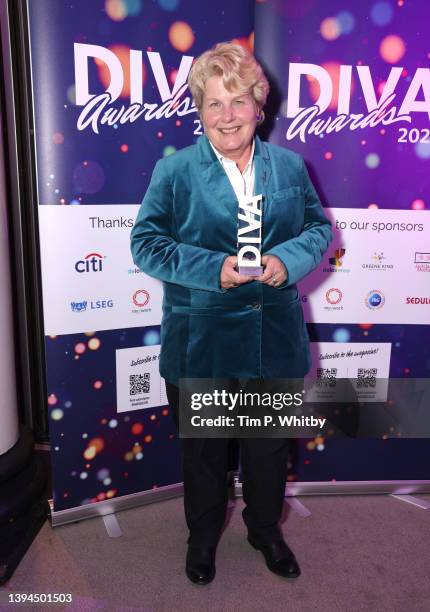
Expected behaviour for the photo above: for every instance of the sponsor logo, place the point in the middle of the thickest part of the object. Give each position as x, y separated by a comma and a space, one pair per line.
333, 297
141, 299
108, 223
93, 305
377, 263
418, 300
337, 259
336, 262
375, 299
78, 306
422, 262
134, 271
93, 262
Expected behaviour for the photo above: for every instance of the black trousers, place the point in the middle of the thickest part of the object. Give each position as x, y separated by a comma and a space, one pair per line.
205, 465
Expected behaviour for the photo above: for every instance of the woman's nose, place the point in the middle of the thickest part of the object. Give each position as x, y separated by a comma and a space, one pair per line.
227, 113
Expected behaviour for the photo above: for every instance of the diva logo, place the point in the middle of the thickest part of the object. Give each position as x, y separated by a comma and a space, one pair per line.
387, 109
99, 110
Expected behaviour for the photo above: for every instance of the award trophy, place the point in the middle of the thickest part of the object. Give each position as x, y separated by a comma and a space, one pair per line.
249, 233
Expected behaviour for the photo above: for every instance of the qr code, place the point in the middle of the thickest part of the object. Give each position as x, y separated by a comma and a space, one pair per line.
366, 377
140, 383
326, 377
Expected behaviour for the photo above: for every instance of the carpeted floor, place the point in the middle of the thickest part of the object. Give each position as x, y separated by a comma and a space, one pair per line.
356, 552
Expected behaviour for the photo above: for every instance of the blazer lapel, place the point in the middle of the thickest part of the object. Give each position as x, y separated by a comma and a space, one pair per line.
263, 171
219, 186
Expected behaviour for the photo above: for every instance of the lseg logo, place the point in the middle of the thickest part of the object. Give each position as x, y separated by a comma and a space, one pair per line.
93, 262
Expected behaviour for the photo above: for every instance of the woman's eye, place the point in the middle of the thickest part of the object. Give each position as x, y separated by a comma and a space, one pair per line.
213, 104
240, 102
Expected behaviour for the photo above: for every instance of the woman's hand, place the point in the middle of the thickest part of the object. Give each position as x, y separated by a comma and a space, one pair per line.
275, 273
230, 278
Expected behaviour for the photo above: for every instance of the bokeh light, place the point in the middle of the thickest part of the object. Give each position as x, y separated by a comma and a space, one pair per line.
372, 161
330, 28
181, 36
133, 7
333, 69
381, 13
71, 94
151, 337
80, 348
422, 150
52, 399
57, 414
137, 429
116, 10
341, 335
94, 344
88, 177
346, 21
168, 150
169, 5
392, 48
122, 52
418, 205
58, 138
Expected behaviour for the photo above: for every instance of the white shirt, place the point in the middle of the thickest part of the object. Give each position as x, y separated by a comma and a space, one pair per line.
242, 182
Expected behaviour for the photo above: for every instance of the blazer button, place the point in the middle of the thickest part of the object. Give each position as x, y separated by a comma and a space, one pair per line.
256, 306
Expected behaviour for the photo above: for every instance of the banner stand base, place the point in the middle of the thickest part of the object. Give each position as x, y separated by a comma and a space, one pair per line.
399, 488
111, 506
415, 501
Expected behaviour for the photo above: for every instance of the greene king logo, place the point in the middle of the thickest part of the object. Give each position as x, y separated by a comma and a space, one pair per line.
375, 299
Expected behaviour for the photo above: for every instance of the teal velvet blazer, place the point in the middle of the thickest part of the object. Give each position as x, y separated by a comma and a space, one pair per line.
187, 226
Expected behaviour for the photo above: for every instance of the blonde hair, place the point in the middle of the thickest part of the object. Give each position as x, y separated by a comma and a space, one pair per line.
238, 68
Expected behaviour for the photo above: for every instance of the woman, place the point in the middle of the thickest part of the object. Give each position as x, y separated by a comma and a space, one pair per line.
216, 322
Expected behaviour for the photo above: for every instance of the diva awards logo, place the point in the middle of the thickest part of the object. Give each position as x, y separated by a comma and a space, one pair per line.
101, 110
354, 89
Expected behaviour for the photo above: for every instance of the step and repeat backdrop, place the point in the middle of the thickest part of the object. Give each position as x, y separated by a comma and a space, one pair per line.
350, 92
110, 98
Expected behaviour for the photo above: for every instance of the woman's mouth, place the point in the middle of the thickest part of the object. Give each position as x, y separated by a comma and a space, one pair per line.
232, 130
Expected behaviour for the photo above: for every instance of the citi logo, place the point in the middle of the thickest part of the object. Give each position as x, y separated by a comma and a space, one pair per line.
93, 262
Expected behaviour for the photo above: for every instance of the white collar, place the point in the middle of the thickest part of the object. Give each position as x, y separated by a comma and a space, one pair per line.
227, 161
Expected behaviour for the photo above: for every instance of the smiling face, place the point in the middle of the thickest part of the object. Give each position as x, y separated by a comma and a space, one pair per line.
229, 120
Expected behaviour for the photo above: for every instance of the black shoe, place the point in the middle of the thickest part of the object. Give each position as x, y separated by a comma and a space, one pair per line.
279, 558
200, 564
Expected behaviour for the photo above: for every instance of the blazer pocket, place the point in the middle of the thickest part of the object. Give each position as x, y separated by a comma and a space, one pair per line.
284, 194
